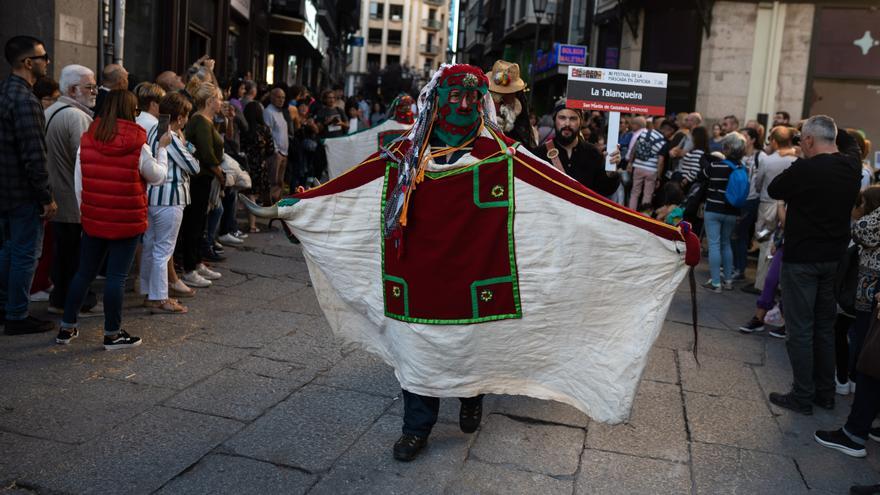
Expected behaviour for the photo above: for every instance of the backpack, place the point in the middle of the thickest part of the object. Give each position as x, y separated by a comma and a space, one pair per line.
645, 146
737, 191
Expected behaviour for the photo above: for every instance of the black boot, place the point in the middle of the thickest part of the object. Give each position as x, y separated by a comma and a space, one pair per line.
408, 447
787, 401
470, 414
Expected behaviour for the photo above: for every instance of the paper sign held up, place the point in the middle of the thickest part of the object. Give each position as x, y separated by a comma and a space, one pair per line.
614, 90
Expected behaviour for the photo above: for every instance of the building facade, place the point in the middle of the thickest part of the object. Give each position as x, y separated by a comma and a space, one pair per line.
277, 41
751, 59
411, 34
510, 30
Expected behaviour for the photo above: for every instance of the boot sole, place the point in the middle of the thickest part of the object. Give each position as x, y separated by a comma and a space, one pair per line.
121, 346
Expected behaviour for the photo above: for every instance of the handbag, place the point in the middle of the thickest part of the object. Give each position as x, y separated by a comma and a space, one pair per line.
869, 358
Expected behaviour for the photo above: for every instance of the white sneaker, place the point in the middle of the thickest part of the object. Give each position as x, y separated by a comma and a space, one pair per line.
230, 240
852, 387
207, 273
240, 234
193, 279
842, 388
40, 296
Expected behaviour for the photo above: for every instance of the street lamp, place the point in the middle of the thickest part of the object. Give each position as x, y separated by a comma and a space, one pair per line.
539, 7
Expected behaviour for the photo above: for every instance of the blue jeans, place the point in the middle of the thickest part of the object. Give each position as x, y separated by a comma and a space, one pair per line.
21, 243
228, 224
120, 254
719, 228
213, 223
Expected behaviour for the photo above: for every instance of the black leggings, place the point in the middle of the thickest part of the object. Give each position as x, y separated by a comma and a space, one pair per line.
193, 225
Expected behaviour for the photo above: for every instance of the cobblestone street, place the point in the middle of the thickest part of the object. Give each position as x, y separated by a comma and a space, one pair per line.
250, 393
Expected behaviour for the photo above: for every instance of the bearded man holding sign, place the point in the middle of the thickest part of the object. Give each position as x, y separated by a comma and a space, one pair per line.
473, 267
578, 159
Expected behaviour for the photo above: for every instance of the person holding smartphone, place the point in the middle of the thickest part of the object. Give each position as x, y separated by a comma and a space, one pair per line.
166, 202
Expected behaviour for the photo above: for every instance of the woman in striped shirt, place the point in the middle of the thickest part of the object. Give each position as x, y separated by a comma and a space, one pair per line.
165, 212
690, 164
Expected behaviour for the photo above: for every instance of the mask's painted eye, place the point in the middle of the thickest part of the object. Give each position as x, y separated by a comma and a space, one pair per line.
454, 96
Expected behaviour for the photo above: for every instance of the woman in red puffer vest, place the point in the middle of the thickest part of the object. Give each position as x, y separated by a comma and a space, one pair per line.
113, 167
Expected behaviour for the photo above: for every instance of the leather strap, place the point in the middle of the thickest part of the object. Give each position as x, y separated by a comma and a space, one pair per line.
56, 112
553, 155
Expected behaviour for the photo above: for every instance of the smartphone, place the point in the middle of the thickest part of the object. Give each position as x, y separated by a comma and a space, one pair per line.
162, 126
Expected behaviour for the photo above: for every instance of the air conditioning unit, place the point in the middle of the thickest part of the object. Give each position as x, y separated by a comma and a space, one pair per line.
395, 18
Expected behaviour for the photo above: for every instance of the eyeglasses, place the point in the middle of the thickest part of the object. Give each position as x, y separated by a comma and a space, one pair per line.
44, 57
91, 88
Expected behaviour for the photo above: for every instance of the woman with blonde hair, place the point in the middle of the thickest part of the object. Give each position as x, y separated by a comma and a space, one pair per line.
113, 167
208, 150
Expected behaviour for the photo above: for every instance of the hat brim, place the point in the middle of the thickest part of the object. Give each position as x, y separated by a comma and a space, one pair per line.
513, 87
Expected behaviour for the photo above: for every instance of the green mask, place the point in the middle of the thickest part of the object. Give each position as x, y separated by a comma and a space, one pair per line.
459, 107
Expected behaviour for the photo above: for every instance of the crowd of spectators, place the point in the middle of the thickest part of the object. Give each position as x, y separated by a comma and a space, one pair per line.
97, 177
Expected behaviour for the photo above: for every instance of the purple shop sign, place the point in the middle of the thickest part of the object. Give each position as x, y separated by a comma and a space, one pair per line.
571, 54
560, 55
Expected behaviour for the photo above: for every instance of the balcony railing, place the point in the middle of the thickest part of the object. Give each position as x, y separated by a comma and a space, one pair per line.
432, 24
429, 49
435, 2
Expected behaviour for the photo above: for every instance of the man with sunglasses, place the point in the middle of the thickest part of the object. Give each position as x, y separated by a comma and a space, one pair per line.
25, 193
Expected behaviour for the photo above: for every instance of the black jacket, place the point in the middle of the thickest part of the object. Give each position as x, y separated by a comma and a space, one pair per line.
585, 165
101, 97
714, 175
23, 175
820, 192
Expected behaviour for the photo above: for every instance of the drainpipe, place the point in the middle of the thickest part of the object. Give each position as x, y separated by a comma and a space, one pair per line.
777, 25
118, 30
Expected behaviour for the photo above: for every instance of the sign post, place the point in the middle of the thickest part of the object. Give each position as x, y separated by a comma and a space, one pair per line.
616, 91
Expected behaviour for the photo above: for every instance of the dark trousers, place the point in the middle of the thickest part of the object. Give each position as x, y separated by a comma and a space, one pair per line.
744, 227
68, 237
420, 412
865, 407
119, 255
841, 346
810, 311
856, 338
193, 225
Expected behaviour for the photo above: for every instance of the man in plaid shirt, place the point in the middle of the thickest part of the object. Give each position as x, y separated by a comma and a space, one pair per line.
25, 195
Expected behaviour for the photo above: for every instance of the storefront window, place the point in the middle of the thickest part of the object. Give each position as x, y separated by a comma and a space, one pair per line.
142, 40
291, 70
233, 51
270, 69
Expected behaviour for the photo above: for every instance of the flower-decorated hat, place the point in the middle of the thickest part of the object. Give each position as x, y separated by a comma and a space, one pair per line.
504, 78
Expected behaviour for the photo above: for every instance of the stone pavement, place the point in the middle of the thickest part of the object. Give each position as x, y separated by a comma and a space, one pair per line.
250, 393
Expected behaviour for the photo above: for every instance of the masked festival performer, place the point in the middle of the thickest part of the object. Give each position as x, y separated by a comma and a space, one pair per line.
344, 150
472, 267
508, 92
